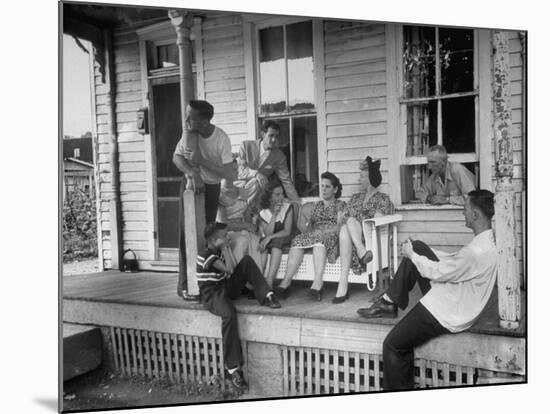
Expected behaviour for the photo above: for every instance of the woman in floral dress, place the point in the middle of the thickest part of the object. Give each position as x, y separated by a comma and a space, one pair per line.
321, 235
366, 204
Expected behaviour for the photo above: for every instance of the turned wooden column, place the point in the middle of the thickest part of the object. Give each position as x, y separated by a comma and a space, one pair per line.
183, 22
508, 273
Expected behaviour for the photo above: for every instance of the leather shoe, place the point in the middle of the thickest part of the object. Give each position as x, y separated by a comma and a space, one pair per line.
316, 294
340, 299
367, 257
272, 302
283, 293
379, 309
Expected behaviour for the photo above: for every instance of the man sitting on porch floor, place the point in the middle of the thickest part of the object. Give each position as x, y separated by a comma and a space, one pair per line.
222, 279
456, 288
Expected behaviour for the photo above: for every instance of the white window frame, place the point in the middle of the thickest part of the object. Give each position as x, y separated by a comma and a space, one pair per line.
252, 24
397, 110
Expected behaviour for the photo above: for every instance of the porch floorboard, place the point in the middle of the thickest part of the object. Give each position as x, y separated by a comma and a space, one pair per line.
159, 289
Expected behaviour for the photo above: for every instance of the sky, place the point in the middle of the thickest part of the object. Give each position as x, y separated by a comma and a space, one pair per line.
77, 116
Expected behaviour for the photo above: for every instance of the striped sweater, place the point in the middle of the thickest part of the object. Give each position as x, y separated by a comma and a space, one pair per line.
206, 272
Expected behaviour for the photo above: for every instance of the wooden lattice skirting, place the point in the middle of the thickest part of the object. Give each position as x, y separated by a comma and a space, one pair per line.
311, 371
306, 371
175, 357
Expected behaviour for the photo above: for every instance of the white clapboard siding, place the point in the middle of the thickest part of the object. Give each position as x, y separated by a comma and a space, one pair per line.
355, 93
224, 75
131, 149
442, 229
516, 78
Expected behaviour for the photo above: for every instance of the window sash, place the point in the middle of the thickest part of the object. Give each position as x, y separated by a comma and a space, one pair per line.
288, 111
439, 97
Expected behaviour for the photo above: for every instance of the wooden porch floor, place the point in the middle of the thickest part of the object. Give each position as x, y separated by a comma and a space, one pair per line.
159, 289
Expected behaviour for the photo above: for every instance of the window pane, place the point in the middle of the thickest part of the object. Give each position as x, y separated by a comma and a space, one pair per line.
168, 55
419, 61
300, 65
168, 188
167, 216
167, 118
459, 125
421, 127
272, 70
456, 48
306, 170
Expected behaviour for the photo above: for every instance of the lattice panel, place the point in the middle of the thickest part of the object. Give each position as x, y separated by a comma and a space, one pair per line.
170, 356
313, 371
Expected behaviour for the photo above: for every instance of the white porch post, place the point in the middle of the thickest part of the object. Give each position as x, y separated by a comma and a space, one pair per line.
183, 22
508, 276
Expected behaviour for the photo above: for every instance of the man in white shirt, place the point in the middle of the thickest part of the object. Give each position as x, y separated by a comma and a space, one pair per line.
213, 157
214, 160
456, 288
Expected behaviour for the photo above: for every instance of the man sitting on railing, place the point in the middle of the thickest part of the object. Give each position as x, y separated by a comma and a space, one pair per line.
456, 288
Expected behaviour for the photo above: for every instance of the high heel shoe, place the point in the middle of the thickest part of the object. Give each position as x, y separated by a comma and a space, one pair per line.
340, 299
282, 293
316, 294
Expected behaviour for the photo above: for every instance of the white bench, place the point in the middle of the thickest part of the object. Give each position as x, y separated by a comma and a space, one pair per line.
380, 235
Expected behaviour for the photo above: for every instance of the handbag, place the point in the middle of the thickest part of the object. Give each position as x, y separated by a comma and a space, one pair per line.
129, 264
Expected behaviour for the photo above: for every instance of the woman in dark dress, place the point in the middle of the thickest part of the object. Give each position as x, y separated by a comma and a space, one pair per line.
275, 226
321, 236
366, 204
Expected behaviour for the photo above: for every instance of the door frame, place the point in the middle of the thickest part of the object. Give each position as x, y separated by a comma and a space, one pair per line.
150, 36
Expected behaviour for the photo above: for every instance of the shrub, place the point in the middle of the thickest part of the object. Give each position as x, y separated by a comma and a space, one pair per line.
79, 225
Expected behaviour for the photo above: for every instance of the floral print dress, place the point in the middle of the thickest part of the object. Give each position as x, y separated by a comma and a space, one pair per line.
322, 233
361, 209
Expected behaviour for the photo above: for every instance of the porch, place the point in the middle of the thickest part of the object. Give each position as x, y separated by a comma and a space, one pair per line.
303, 348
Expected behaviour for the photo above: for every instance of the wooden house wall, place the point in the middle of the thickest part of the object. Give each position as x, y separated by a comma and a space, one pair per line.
131, 150
356, 87
355, 94
224, 74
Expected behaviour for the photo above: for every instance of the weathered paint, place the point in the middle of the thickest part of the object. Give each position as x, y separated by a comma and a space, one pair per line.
508, 275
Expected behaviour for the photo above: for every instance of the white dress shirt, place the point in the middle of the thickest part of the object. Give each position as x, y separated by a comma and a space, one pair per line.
461, 282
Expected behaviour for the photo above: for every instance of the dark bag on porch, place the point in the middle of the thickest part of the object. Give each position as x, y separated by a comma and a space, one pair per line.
129, 264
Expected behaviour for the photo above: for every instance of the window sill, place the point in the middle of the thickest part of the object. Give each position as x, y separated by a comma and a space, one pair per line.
421, 206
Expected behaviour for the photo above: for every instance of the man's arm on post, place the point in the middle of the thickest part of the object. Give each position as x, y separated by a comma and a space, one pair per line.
179, 159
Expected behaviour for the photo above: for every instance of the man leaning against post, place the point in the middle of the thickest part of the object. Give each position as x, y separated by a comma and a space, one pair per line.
258, 161
456, 288
213, 155
449, 182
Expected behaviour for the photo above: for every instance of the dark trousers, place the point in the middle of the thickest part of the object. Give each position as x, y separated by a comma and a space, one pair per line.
415, 329
217, 298
211, 198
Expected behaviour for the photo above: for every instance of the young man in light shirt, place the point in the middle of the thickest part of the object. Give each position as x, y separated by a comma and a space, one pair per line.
213, 155
456, 288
